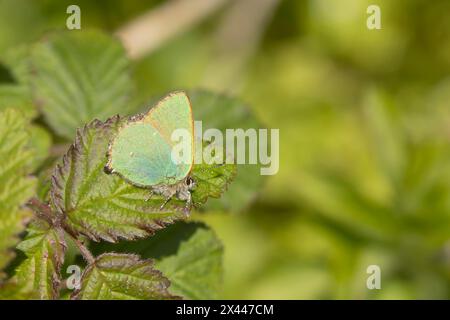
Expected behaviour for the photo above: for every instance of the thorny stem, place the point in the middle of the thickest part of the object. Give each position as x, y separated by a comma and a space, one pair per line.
87, 255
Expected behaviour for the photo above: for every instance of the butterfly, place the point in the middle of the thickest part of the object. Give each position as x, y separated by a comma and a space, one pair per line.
141, 152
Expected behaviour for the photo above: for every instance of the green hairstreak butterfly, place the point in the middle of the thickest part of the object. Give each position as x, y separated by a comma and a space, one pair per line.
141, 152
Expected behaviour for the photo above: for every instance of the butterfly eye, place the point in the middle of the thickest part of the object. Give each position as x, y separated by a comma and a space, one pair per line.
190, 182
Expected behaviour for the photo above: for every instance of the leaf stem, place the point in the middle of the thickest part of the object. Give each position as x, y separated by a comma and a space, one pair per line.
87, 255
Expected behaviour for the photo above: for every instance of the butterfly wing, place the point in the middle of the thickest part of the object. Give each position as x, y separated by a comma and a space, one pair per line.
142, 150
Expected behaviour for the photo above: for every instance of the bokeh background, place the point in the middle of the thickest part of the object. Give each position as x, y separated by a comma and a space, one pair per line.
364, 119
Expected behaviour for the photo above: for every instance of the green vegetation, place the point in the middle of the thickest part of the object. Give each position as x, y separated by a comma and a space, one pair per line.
364, 179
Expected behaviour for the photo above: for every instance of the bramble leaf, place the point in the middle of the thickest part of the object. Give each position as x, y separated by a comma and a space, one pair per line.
211, 181
15, 186
195, 271
40, 144
17, 97
38, 276
105, 206
115, 276
188, 254
77, 77
17, 60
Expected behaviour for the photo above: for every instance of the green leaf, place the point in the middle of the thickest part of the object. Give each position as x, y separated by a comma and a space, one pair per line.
195, 271
211, 181
15, 186
38, 276
17, 60
104, 206
40, 143
77, 77
17, 97
12, 222
233, 113
116, 276
188, 254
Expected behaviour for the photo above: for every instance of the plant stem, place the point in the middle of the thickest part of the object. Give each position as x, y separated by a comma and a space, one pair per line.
87, 255
149, 31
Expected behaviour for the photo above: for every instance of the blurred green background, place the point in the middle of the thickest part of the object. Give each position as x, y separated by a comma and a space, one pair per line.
364, 119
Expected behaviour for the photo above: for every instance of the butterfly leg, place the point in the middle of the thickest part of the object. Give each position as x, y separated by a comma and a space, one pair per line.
150, 195
167, 192
169, 197
188, 206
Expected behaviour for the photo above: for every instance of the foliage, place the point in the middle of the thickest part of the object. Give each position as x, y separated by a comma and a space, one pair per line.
78, 77
188, 253
62, 76
122, 276
15, 184
363, 118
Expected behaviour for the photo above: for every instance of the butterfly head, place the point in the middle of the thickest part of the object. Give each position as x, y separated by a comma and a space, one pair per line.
190, 183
